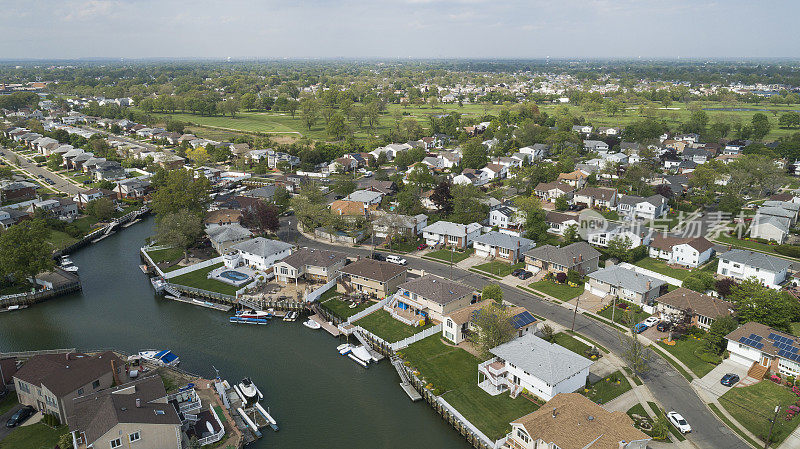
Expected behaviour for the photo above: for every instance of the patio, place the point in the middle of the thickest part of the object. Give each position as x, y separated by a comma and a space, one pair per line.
274, 291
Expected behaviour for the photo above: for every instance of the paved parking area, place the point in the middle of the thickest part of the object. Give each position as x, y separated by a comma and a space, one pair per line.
709, 384
4, 431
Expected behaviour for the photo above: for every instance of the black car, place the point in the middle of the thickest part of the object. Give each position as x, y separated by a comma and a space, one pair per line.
664, 326
524, 275
379, 256
517, 271
22, 414
729, 380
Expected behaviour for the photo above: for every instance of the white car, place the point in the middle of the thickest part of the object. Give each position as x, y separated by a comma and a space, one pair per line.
677, 420
396, 259
650, 322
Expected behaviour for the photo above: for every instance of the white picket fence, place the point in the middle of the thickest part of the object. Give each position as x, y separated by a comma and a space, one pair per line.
313, 296
404, 343
377, 306
464, 421
190, 268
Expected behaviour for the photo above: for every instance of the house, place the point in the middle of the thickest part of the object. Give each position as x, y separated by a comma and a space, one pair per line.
595, 146
576, 179
550, 191
260, 253
624, 284
384, 187
397, 224
224, 236
558, 222
742, 264
779, 212
503, 217
471, 176
701, 309
687, 251
637, 207
108, 171
311, 264
55, 207
505, 247
578, 256
609, 131
365, 197
83, 198
351, 208
459, 324
536, 152
573, 421
596, 197
696, 155
136, 414
371, 278
582, 129
16, 191
10, 216
531, 363
769, 227
764, 349
133, 188
446, 233
50, 382
221, 217
432, 297
602, 236
615, 159
495, 171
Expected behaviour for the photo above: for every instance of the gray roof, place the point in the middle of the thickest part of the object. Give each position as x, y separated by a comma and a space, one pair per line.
782, 223
228, 233
788, 205
501, 240
655, 200
567, 256
627, 279
363, 196
314, 257
63, 374
400, 220
756, 259
448, 228
263, 247
549, 362
776, 211
262, 192
437, 289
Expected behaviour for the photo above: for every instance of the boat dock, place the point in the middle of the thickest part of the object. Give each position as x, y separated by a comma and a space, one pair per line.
405, 382
377, 356
333, 330
201, 303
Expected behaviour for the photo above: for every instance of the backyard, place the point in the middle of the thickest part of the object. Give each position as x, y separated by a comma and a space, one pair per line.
498, 268
453, 373
659, 266
165, 255
198, 279
340, 307
747, 244
445, 255
382, 324
753, 407
559, 291
689, 350
34, 436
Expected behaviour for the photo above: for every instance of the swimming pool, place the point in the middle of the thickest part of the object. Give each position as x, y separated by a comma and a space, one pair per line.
234, 276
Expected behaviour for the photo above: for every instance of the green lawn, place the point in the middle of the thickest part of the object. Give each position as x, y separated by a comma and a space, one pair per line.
35, 436
607, 388
165, 255
753, 407
342, 308
710, 266
610, 215
8, 402
560, 291
453, 373
59, 239
620, 314
643, 418
445, 255
383, 325
687, 350
724, 418
197, 279
747, 244
498, 268
659, 266
571, 343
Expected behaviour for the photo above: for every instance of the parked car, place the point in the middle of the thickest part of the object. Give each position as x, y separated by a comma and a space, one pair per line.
517, 272
639, 328
524, 275
396, 259
20, 416
677, 420
422, 246
729, 380
664, 326
651, 321
379, 256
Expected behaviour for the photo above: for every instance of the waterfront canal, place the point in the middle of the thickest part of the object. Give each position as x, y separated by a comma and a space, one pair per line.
319, 398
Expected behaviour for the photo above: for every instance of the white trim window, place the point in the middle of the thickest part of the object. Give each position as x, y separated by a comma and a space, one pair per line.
116, 443
134, 437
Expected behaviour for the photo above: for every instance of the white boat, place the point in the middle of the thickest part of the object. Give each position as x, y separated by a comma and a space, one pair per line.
257, 314
311, 324
162, 358
66, 264
250, 391
344, 349
362, 353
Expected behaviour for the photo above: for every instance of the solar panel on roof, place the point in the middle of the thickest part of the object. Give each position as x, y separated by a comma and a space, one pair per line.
742, 339
772, 336
794, 349
758, 345
755, 337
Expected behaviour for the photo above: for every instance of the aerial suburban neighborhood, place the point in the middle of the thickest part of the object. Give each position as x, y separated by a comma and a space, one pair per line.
477, 251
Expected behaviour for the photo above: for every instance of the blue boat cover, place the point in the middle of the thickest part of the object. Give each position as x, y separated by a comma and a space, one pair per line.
168, 357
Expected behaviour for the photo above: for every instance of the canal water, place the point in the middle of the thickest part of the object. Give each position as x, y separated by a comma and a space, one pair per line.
319, 398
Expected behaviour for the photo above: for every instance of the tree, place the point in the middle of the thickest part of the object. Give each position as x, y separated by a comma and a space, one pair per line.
281, 198
421, 178
474, 154
310, 207
442, 198
635, 354
179, 230
248, 101
467, 205
24, 250
571, 234
699, 281
65, 441
308, 111
337, 127
177, 190
755, 302
262, 216
55, 162
789, 120
230, 107
102, 209
344, 187
535, 223
198, 155
493, 327
562, 203
619, 247
548, 334
725, 286
760, 125
715, 342
492, 292
730, 204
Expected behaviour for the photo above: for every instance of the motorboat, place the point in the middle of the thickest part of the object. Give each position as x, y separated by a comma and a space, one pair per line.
290, 316
162, 358
249, 391
240, 320
257, 314
358, 354
66, 264
311, 324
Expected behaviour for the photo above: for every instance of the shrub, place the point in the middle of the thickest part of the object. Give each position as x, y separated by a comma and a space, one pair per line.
561, 278
788, 250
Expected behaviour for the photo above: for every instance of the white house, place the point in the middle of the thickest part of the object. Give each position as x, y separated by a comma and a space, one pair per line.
495, 171
458, 324
502, 246
310, 263
503, 217
686, 251
531, 363
367, 197
451, 234
650, 208
639, 235
550, 191
558, 223
742, 264
597, 146
261, 254
769, 227
470, 176
398, 224
624, 284
764, 349
536, 152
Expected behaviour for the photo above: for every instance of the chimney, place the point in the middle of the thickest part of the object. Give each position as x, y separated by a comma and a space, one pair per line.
554, 412
580, 257
648, 285
138, 403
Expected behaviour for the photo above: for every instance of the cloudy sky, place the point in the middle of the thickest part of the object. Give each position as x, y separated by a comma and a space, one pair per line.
43, 29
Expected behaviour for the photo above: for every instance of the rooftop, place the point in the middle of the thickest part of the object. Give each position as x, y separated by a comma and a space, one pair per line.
549, 362
437, 289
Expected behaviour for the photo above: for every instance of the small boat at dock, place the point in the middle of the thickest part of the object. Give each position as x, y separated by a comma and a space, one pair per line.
290, 316
358, 354
257, 314
311, 324
66, 264
162, 358
240, 320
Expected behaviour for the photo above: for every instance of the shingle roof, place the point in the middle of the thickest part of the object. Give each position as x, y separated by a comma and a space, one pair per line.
228, 233
501, 240
558, 217
567, 256
373, 269
682, 298
363, 196
547, 186
627, 279
437, 289
756, 259
666, 243
314, 257
598, 193
764, 331
448, 228
549, 362
263, 247
64, 373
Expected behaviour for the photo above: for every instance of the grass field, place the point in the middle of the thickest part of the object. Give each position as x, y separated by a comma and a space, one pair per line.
571, 343
454, 373
197, 279
165, 255
444, 255
35, 436
753, 407
686, 350
498, 268
608, 388
342, 308
560, 291
746, 244
659, 266
383, 325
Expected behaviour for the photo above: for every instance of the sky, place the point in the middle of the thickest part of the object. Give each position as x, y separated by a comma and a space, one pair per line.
69, 29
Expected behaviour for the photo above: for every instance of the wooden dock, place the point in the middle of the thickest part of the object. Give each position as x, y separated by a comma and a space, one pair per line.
201, 303
405, 382
333, 330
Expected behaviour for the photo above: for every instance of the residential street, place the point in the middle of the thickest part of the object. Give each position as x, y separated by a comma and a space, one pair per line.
61, 184
668, 386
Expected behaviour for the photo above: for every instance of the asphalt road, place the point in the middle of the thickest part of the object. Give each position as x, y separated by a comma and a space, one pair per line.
668, 386
61, 184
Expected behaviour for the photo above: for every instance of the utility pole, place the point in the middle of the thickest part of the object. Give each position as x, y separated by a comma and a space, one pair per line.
575, 314
772, 424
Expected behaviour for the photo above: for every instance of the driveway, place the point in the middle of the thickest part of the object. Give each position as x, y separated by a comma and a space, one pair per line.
4, 431
709, 385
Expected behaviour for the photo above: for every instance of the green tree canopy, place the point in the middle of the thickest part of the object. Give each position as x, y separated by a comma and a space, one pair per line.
24, 250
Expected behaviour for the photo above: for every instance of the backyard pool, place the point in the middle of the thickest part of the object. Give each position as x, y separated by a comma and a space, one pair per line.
235, 276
